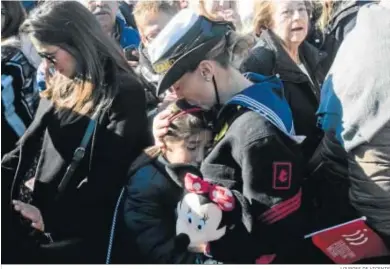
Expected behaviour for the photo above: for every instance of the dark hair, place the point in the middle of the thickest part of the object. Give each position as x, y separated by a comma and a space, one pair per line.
185, 125
72, 27
14, 17
231, 50
181, 127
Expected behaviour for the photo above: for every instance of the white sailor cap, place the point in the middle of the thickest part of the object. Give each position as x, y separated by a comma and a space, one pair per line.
182, 44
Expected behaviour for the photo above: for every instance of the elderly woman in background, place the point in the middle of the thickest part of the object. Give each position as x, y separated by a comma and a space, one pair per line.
229, 11
281, 50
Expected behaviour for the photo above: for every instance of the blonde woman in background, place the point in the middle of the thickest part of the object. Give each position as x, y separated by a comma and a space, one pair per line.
229, 11
246, 12
218, 10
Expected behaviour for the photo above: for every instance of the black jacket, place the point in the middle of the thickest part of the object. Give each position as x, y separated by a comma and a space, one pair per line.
246, 155
147, 222
84, 210
268, 57
342, 21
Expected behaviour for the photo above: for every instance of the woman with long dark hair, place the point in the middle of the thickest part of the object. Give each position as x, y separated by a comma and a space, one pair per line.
93, 122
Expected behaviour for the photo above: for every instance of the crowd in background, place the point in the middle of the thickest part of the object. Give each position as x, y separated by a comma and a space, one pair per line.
105, 105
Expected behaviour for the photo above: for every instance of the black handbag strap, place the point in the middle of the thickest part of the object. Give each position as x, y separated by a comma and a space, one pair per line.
78, 155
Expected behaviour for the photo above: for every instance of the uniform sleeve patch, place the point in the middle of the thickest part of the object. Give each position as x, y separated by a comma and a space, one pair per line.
282, 175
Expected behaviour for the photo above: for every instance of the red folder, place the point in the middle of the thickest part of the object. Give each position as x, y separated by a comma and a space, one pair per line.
350, 242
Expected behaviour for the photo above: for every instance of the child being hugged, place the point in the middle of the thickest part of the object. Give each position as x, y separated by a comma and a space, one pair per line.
147, 222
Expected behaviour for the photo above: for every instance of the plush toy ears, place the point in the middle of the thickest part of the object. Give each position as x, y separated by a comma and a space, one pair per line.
221, 196
178, 172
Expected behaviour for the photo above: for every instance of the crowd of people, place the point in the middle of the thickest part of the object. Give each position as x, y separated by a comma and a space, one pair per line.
197, 132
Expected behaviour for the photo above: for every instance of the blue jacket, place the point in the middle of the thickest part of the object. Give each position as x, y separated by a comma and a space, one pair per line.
128, 35
28, 5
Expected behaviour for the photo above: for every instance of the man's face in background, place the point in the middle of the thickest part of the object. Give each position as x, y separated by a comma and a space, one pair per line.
105, 12
152, 25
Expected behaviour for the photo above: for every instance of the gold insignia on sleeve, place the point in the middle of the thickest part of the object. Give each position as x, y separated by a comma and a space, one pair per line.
222, 133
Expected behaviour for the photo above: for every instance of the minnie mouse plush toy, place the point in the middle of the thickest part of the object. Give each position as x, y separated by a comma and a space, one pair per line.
210, 218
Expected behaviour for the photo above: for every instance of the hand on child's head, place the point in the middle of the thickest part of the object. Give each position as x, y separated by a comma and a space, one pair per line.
160, 126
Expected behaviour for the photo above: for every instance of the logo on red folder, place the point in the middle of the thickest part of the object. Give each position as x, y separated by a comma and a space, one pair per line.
350, 243
282, 176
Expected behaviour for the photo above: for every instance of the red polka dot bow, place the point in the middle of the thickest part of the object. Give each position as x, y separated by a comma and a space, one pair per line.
221, 196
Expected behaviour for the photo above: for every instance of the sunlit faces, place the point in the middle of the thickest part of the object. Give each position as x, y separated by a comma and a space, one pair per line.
60, 59
290, 20
105, 12
189, 151
151, 25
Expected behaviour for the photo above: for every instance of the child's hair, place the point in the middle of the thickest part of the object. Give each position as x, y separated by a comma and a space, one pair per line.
186, 120
147, 8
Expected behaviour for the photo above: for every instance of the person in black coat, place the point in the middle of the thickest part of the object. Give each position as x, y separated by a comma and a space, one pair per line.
91, 81
255, 148
338, 18
147, 219
281, 50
